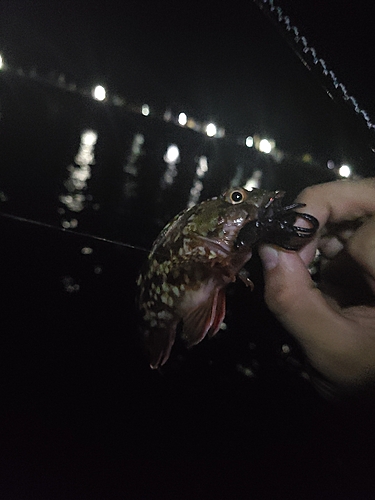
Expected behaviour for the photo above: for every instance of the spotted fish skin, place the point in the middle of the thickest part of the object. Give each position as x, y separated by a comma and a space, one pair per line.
191, 262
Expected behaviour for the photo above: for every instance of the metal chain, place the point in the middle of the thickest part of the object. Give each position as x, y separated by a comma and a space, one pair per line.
304, 50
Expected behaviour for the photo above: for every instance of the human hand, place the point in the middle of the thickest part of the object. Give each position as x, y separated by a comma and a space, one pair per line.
334, 322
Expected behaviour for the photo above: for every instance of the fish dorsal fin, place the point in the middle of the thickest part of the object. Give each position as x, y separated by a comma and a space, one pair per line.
205, 319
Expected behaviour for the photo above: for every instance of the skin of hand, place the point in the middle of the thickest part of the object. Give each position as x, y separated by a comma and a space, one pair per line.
333, 320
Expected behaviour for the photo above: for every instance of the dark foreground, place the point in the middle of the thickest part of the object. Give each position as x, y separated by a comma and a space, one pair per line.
82, 415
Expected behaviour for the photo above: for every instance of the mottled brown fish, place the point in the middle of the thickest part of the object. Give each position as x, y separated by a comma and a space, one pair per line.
200, 252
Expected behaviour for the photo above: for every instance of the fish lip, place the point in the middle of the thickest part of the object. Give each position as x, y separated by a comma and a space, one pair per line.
218, 246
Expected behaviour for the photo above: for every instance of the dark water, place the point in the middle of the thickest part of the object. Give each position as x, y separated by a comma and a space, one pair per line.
82, 415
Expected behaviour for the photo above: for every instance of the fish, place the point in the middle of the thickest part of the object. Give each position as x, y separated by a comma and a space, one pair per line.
198, 254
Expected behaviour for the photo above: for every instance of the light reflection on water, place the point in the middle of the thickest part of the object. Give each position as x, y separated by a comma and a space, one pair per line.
69, 284
197, 188
76, 198
131, 168
115, 174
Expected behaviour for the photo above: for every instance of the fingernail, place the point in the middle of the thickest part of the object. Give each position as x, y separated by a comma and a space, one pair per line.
269, 256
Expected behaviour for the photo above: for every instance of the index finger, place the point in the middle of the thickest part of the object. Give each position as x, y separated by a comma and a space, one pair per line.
339, 201
335, 202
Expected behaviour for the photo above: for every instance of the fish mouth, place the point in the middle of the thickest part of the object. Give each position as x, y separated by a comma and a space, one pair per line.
222, 249
218, 246
223, 253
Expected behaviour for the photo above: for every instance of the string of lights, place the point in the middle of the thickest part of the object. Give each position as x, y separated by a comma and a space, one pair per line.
263, 145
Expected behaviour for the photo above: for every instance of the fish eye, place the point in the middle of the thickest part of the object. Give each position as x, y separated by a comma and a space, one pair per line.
236, 196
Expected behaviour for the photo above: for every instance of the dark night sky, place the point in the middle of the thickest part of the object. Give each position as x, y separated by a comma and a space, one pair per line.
225, 61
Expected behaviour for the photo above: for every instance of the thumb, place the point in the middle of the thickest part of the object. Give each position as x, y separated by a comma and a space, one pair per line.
292, 296
287, 281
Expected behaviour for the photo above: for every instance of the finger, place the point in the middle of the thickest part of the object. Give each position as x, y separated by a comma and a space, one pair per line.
335, 202
339, 200
324, 333
330, 246
308, 252
361, 247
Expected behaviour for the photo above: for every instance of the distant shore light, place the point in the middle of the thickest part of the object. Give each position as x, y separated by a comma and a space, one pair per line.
89, 137
249, 141
345, 171
265, 146
145, 110
182, 119
211, 130
172, 154
99, 93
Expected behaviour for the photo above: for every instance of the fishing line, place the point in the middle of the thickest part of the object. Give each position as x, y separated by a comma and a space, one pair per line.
69, 231
303, 50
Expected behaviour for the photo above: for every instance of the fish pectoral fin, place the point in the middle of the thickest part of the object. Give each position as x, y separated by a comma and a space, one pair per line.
219, 313
159, 343
204, 319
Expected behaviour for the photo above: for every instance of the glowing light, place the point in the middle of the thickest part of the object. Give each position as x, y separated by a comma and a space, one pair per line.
70, 284
193, 124
86, 250
1, 62
249, 142
69, 224
167, 115
182, 119
172, 154
345, 171
145, 110
75, 203
197, 188
89, 138
307, 158
211, 130
131, 168
254, 181
85, 155
171, 157
285, 349
99, 93
202, 166
265, 146
79, 173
